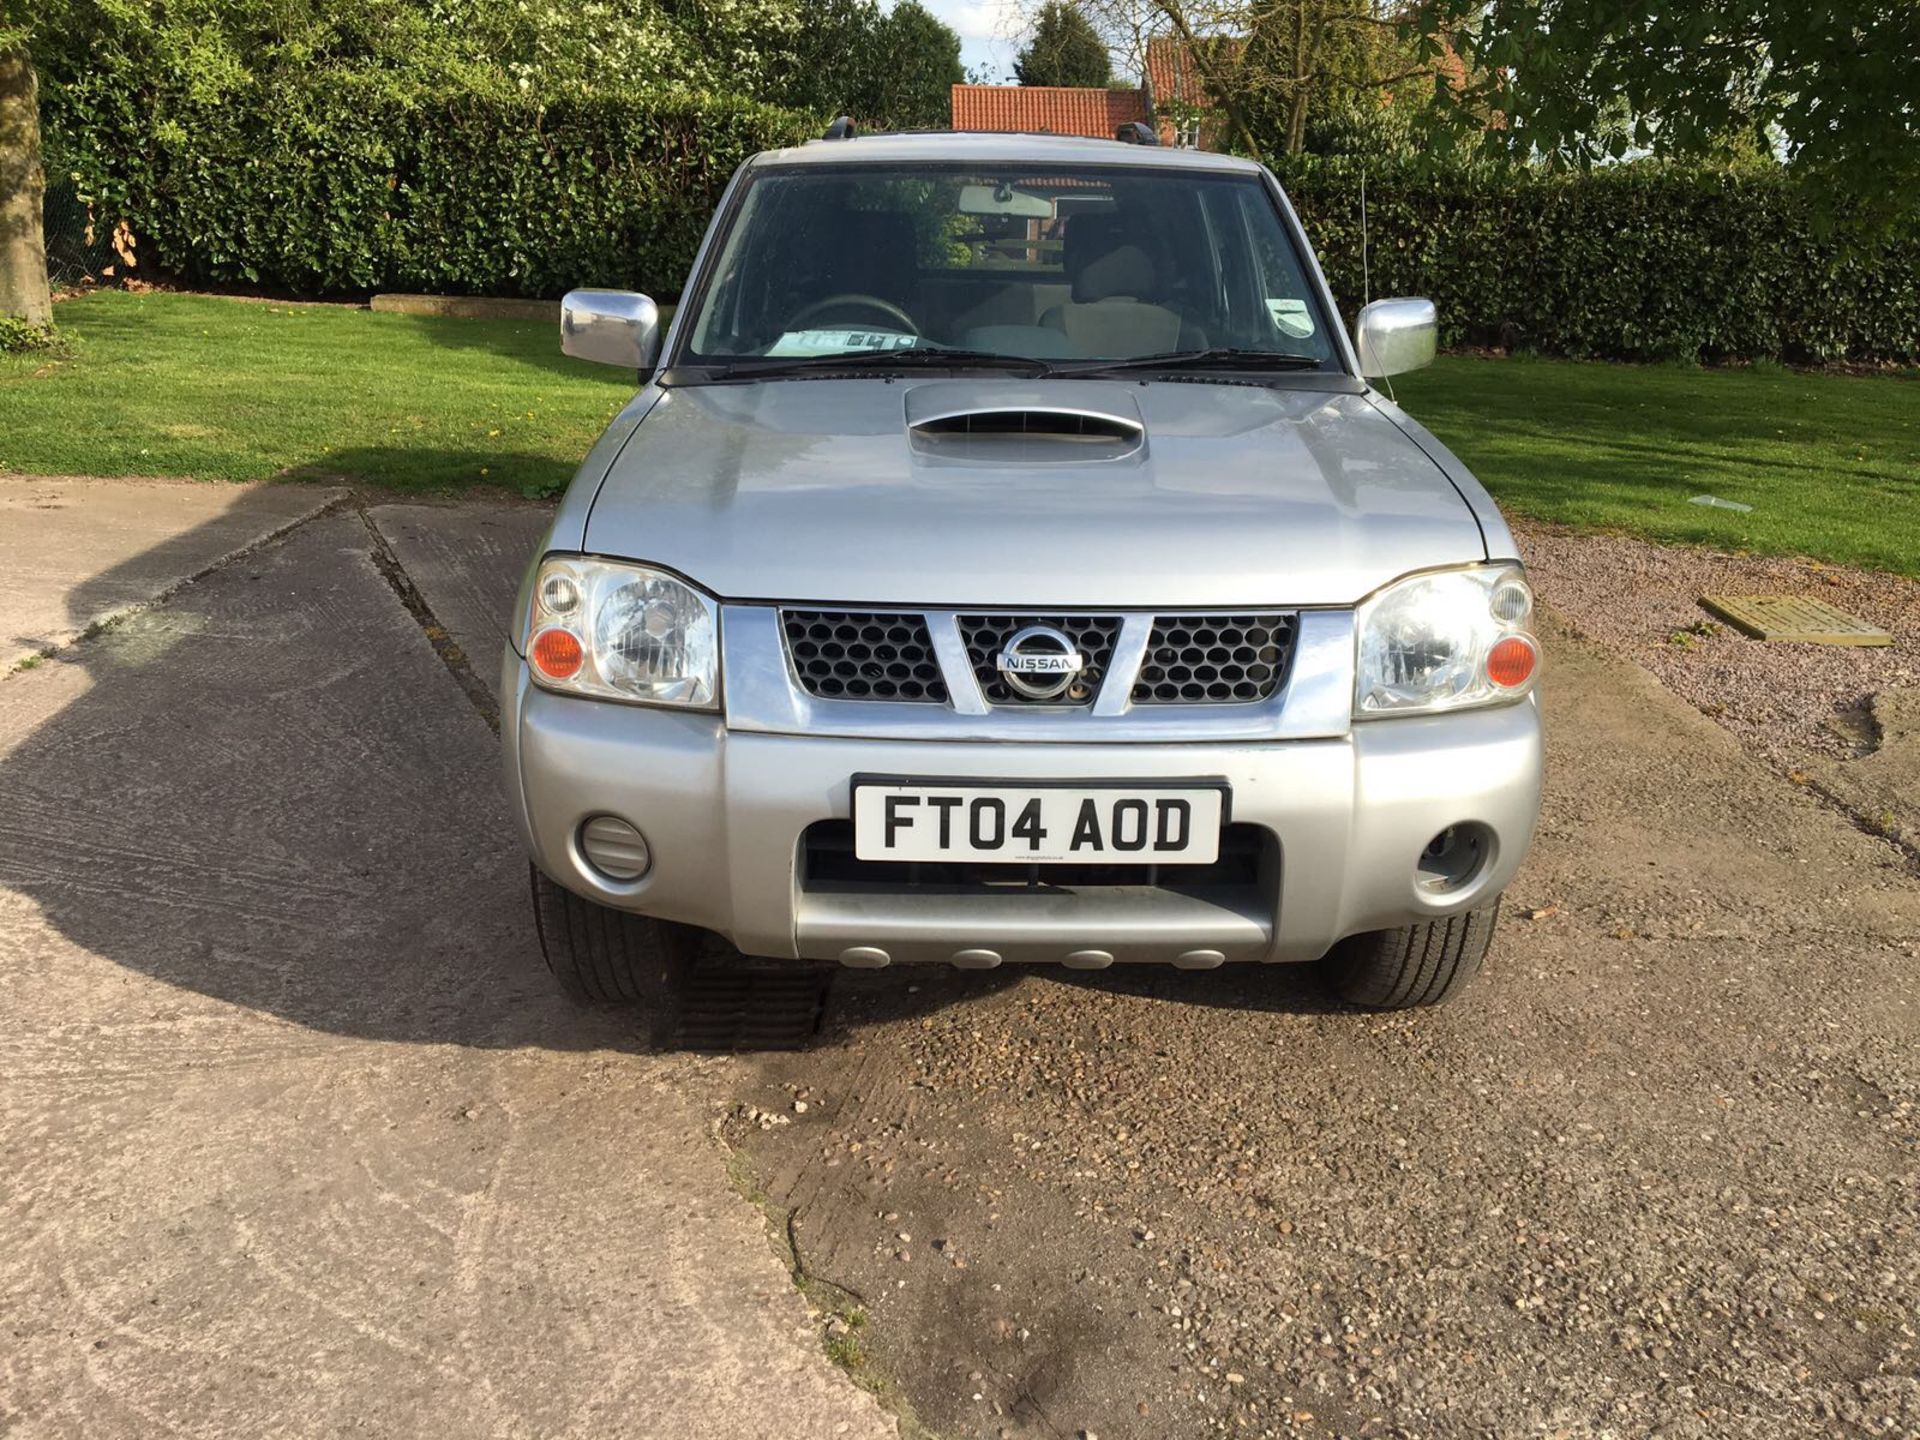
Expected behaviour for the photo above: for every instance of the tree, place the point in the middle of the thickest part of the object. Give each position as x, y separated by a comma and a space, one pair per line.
1065, 50
24, 293
1271, 70
888, 70
1315, 62
1835, 87
920, 60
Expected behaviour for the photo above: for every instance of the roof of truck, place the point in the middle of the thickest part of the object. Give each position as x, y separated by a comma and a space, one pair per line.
1000, 148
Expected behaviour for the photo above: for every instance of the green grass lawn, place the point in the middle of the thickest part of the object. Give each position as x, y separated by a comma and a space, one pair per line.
219, 389
1830, 463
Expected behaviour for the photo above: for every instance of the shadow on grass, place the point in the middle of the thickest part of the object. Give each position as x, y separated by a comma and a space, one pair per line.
524, 341
440, 471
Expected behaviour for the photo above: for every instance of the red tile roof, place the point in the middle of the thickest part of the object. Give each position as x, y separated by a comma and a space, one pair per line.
1173, 78
1047, 109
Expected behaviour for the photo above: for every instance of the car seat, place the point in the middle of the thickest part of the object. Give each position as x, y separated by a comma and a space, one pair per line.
1114, 310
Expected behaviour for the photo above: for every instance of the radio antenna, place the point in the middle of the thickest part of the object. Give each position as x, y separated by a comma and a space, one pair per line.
1366, 272
1366, 275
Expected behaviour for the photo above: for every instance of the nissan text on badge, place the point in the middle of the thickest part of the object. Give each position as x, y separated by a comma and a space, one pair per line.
1008, 559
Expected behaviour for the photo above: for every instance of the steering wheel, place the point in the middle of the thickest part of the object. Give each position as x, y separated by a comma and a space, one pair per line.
894, 314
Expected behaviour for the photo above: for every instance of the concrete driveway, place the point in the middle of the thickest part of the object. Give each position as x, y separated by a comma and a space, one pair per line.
296, 1138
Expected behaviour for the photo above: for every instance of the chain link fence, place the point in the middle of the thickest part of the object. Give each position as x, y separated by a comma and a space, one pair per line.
77, 248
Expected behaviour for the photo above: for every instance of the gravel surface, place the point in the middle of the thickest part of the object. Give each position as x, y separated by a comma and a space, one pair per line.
1785, 701
1657, 1173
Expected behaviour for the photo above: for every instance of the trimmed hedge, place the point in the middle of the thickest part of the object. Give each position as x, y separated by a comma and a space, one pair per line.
1636, 262
356, 185
352, 182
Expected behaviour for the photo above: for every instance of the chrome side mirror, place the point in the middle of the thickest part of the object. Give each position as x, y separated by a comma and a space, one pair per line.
613, 327
1393, 336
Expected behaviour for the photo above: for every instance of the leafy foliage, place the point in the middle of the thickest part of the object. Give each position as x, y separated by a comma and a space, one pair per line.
891, 66
1312, 66
549, 48
1645, 261
1835, 84
921, 57
18, 337
1265, 76
350, 186
888, 69
1065, 50
511, 146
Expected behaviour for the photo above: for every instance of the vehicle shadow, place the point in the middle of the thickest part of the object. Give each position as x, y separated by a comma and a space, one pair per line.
1276, 989
904, 993
270, 792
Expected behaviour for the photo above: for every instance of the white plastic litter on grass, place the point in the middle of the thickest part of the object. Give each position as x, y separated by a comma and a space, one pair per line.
1716, 503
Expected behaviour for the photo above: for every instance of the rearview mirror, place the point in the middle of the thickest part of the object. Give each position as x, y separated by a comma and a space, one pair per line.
1394, 336
612, 327
1004, 200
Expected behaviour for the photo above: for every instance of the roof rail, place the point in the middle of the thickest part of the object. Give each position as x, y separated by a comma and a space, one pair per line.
840, 129
1136, 132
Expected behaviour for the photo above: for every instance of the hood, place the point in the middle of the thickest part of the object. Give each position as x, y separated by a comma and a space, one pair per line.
1165, 494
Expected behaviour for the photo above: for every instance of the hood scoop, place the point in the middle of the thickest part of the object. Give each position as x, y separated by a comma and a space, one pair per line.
1030, 424
1022, 424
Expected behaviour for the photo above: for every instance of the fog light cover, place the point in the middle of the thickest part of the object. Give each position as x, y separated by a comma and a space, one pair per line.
1454, 859
614, 848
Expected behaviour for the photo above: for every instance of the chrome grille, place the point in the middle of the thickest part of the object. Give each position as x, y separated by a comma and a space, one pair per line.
985, 636
863, 655
1214, 659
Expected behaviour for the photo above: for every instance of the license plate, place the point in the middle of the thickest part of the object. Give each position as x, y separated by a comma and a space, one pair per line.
1174, 822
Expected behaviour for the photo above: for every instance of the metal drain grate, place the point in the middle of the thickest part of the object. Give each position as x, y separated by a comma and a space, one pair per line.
735, 1005
1793, 617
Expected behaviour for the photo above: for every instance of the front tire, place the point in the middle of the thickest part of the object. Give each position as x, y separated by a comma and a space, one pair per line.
1415, 965
602, 956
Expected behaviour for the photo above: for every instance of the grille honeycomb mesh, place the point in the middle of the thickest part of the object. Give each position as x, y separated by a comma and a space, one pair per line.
987, 635
1214, 659
863, 655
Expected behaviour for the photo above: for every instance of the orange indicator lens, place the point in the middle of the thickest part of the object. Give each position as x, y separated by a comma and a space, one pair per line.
1510, 663
557, 654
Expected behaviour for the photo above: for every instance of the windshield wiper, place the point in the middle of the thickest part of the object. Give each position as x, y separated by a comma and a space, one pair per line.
1214, 357
908, 358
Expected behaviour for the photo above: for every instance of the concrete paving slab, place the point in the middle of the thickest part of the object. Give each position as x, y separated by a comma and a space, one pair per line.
74, 552
467, 562
295, 1135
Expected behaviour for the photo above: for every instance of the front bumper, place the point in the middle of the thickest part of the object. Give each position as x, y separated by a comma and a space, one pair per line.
724, 811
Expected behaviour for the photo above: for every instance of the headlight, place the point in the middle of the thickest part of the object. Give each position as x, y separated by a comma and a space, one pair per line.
622, 632
1445, 641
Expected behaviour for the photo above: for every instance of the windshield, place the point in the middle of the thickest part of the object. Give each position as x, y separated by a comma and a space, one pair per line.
1095, 264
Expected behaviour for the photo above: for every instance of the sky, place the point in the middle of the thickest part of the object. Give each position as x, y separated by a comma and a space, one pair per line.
989, 33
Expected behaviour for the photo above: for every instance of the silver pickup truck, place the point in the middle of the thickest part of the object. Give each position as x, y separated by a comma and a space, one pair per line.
1007, 559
